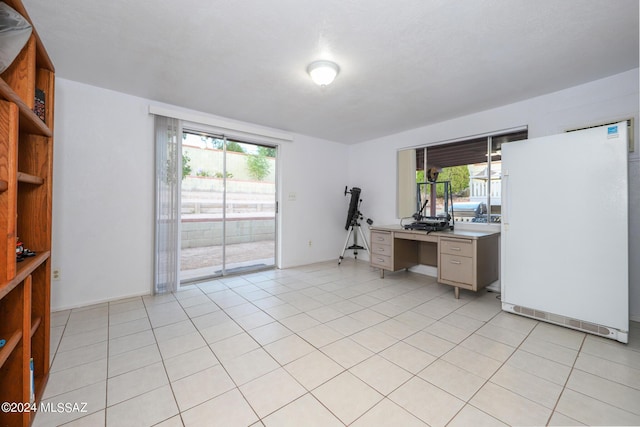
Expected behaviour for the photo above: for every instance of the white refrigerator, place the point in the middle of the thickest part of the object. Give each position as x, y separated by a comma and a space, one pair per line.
564, 233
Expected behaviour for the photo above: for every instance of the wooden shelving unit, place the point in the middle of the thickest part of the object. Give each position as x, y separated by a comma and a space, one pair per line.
26, 167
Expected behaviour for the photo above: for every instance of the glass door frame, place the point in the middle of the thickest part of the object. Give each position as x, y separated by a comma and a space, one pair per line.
194, 128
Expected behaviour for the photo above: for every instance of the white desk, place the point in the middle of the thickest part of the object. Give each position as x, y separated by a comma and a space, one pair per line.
465, 259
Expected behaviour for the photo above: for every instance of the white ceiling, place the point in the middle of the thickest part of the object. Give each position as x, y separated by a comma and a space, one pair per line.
404, 63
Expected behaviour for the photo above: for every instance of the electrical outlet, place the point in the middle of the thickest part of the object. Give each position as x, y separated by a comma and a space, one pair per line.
309, 243
56, 274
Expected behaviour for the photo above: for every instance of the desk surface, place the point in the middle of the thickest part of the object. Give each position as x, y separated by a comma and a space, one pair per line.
470, 234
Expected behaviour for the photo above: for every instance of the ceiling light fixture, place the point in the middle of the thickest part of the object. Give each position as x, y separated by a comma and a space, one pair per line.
323, 72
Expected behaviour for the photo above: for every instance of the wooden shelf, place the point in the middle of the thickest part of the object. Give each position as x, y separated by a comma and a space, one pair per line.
24, 269
29, 122
29, 179
35, 324
29, 264
26, 168
8, 348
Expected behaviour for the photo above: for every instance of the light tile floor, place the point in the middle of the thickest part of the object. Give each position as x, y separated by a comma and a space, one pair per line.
329, 345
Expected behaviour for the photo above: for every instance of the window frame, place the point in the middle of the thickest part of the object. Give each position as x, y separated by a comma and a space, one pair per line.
493, 140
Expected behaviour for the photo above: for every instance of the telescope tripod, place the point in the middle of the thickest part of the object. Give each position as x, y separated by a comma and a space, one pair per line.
355, 247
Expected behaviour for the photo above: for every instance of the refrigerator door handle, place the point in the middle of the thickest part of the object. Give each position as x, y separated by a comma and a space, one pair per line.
505, 198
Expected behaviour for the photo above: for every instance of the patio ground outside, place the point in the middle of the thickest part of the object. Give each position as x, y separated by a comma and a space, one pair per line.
206, 261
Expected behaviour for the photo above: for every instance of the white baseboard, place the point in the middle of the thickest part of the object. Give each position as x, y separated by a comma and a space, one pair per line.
96, 302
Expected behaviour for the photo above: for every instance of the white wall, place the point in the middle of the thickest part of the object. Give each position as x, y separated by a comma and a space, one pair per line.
606, 100
314, 208
102, 196
103, 202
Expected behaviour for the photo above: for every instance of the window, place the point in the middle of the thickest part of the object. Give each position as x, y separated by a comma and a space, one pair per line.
473, 167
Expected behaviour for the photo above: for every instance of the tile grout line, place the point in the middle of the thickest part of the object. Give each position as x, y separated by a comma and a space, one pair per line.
564, 386
468, 402
309, 392
106, 381
208, 345
163, 366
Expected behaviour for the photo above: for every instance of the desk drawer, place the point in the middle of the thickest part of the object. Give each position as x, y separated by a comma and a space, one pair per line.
381, 261
460, 247
456, 268
381, 249
380, 238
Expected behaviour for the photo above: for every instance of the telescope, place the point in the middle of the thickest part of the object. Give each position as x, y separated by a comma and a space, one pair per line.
354, 216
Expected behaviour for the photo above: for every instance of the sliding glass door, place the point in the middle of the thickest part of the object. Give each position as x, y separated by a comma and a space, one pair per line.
228, 206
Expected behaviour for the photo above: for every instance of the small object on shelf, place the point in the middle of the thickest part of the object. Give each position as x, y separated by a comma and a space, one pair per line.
2, 343
39, 104
19, 251
32, 394
22, 252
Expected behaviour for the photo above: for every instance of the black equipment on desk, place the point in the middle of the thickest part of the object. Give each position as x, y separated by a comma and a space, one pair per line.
439, 222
